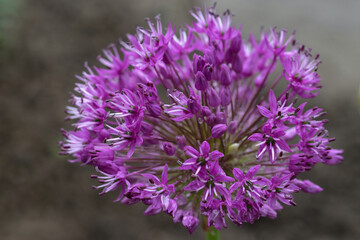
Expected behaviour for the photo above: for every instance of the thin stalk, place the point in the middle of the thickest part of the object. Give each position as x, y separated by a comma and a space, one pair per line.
213, 234
256, 94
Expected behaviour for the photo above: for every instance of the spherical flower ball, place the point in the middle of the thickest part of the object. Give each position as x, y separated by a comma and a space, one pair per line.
224, 141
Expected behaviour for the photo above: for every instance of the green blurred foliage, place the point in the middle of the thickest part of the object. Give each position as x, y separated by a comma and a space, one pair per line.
8, 10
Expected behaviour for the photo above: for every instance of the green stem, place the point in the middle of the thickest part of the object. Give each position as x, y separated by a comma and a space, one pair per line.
213, 234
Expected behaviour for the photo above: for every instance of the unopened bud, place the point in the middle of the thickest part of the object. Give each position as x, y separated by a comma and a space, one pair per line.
225, 75
169, 149
218, 130
212, 97
225, 94
181, 141
232, 127
200, 81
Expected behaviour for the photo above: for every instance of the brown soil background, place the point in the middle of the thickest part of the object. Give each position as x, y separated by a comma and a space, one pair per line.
44, 43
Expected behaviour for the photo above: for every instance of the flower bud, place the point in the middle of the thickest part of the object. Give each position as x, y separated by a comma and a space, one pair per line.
220, 117
169, 149
225, 94
193, 105
234, 49
208, 70
235, 45
307, 186
218, 130
267, 211
200, 81
232, 127
212, 97
198, 63
211, 120
153, 109
205, 111
190, 223
181, 141
150, 95
237, 65
225, 75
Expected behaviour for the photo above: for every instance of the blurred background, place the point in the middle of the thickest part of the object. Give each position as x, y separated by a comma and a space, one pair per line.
44, 43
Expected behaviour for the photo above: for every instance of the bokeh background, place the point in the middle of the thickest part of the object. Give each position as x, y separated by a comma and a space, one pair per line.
44, 43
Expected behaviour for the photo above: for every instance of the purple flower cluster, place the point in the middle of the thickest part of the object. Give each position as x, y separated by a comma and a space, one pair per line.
189, 124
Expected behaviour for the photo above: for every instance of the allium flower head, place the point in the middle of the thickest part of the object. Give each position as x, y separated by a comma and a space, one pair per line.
191, 123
